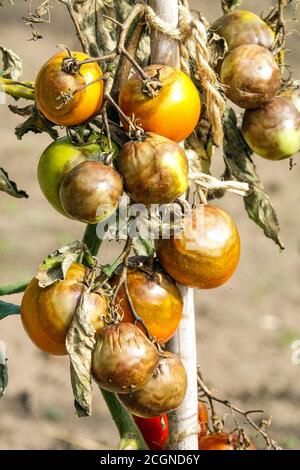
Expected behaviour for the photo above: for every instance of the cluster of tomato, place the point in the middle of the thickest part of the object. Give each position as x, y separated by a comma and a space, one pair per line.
153, 169
252, 80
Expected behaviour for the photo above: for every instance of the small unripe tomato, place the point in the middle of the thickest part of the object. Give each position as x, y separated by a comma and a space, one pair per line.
240, 27
91, 192
163, 393
174, 112
206, 253
154, 430
53, 84
155, 169
223, 441
156, 299
251, 76
273, 132
202, 418
124, 359
59, 158
47, 313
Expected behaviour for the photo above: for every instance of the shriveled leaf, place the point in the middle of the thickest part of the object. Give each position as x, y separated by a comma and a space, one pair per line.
7, 309
229, 5
12, 64
3, 369
55, 266
241, 167
9, 186
260, 209
217, 46
80, 343
35, 122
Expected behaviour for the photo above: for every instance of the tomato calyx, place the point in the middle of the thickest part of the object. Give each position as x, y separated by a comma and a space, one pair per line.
151, 86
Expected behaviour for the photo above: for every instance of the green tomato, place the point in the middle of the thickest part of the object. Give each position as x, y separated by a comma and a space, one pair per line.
60, 157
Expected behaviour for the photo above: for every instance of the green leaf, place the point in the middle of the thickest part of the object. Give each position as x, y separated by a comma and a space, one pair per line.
241, 167
3, 369
35, 122
12, 64
9, 186
7, 309
55, 266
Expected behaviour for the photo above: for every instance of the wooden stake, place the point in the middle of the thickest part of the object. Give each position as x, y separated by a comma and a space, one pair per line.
184, 421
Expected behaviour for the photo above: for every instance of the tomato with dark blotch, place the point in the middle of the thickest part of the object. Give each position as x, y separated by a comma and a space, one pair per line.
91, 192
223, 441
241, 27
155, 297
251, 76
155, 169
60, 157
47, 313
123, 359
273, 132
163, 393
206, 253
69, 99
173, 113
154, 430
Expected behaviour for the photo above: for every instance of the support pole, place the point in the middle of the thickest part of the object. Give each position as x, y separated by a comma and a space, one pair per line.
184, 421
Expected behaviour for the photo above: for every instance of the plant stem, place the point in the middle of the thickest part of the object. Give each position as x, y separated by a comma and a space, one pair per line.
16, 288
17, 89
7, 309
120, 415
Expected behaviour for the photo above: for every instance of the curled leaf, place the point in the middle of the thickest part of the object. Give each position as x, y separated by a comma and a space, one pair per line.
241, 167
3, 369
12, 64
80, 343
35, 122
55, 266
9, 186
217, 46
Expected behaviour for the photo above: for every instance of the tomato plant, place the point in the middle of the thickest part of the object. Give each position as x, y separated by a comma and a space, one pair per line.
222, 441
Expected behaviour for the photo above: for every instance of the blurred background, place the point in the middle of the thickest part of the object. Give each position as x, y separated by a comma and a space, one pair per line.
245, 329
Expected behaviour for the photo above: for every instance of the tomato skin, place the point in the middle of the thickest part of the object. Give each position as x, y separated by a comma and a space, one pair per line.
202, 418
154, 430
155, 170
91, 192
203, 257
173, 113
52, 81
157, 301
221, 441
47, 313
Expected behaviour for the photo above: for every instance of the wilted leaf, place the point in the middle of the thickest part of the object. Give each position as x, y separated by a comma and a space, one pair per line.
12, 64
229, 5
35, 123
217, 46
9, 186
241, 167
3, 369
80, 343
7, 309
55, 266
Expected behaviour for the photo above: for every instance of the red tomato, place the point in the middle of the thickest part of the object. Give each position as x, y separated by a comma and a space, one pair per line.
155, 430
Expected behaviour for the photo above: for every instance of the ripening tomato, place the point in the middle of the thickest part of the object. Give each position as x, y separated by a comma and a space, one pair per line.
53, 85
173, 113
60, 157
223, 441
154, 430
47, 313
156, 299
206, 253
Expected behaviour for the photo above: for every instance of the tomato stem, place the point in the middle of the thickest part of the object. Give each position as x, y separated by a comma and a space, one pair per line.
17, 89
